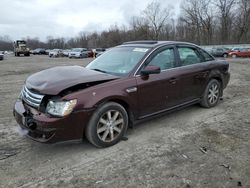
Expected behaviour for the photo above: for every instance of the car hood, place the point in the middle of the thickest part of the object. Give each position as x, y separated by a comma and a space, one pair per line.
54, 80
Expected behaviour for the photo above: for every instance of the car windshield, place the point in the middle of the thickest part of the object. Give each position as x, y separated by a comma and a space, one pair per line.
118, 61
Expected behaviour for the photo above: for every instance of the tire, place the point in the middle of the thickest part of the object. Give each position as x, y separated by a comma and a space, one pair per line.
225, 55
234, 56
212, 94
109, 119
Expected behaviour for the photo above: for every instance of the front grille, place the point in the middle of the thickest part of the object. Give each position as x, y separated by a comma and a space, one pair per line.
31, 98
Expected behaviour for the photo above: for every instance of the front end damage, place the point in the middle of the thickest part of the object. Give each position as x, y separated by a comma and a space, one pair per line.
42, 110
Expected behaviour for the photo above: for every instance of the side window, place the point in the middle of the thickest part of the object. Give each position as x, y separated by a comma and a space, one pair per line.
189, 56
206, 56
164, 59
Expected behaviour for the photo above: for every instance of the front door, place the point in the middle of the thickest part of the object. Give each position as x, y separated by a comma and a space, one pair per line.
156, 92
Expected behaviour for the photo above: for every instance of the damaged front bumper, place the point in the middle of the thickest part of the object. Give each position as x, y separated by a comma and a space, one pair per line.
42, 128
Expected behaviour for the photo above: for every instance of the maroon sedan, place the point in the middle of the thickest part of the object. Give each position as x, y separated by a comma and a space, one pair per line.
128, 83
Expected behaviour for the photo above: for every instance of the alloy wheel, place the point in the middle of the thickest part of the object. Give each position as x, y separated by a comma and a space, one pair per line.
110, 125
213, 94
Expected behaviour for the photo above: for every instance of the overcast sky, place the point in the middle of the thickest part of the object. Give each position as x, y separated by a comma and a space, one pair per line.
66, 18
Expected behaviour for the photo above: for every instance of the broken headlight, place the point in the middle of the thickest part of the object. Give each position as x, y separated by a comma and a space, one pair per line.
60, 108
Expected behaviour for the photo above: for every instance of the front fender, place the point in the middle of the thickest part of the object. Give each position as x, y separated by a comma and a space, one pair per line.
109, 91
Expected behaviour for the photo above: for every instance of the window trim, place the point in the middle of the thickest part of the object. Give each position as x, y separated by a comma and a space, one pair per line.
202, 58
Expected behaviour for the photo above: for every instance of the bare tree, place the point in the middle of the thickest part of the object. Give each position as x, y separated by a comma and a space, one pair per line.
5, 43
199, 20
225, 15
139, 29
156, 18
243, 21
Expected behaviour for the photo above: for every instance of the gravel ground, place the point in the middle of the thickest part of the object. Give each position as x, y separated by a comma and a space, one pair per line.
194, 147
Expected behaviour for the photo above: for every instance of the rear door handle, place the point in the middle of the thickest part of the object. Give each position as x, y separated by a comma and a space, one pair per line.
172, 80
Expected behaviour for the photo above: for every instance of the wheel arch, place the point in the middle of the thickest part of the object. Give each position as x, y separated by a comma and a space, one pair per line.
124, 104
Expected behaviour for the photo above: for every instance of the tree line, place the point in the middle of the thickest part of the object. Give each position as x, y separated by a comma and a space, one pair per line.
203, 22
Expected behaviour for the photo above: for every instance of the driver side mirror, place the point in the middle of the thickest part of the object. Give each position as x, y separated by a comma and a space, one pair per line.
150, 69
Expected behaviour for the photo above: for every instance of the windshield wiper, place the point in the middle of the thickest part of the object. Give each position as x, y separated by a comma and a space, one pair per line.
99, 70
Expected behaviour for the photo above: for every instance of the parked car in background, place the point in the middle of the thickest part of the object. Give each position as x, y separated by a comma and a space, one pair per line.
1, 55
234, 49
56, 53
66, 52
78, 53
47, 51
220, 52
99, 54
39, 51
99, 50
128, 83
242, 52
90, 52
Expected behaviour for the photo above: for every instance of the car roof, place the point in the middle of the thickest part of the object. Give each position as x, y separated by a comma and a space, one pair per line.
154, 43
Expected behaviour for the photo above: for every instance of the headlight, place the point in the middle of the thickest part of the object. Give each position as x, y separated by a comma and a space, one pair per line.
60, 108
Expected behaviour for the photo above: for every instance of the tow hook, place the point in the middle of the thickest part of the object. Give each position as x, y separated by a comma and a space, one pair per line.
31, 124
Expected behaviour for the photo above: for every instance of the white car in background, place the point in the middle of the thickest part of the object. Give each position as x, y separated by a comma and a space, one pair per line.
55, 53
66, 52
1, 55
78, 53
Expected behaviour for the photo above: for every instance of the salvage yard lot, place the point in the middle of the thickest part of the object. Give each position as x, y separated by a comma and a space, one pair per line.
194, 147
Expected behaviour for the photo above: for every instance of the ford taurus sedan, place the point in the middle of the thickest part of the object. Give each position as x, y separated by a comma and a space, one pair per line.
129, 83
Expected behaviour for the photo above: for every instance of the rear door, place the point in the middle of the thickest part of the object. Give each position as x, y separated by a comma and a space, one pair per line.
193, 72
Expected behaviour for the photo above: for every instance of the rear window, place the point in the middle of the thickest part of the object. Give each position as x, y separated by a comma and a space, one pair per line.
206, 56
189, 56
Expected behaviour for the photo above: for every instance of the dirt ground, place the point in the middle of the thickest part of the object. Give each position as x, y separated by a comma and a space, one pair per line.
194, 147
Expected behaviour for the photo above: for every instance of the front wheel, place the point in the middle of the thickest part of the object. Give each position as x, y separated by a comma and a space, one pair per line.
108, 125
212, 94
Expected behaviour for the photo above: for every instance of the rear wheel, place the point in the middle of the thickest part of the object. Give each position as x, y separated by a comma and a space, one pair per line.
212, 94
107, 125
